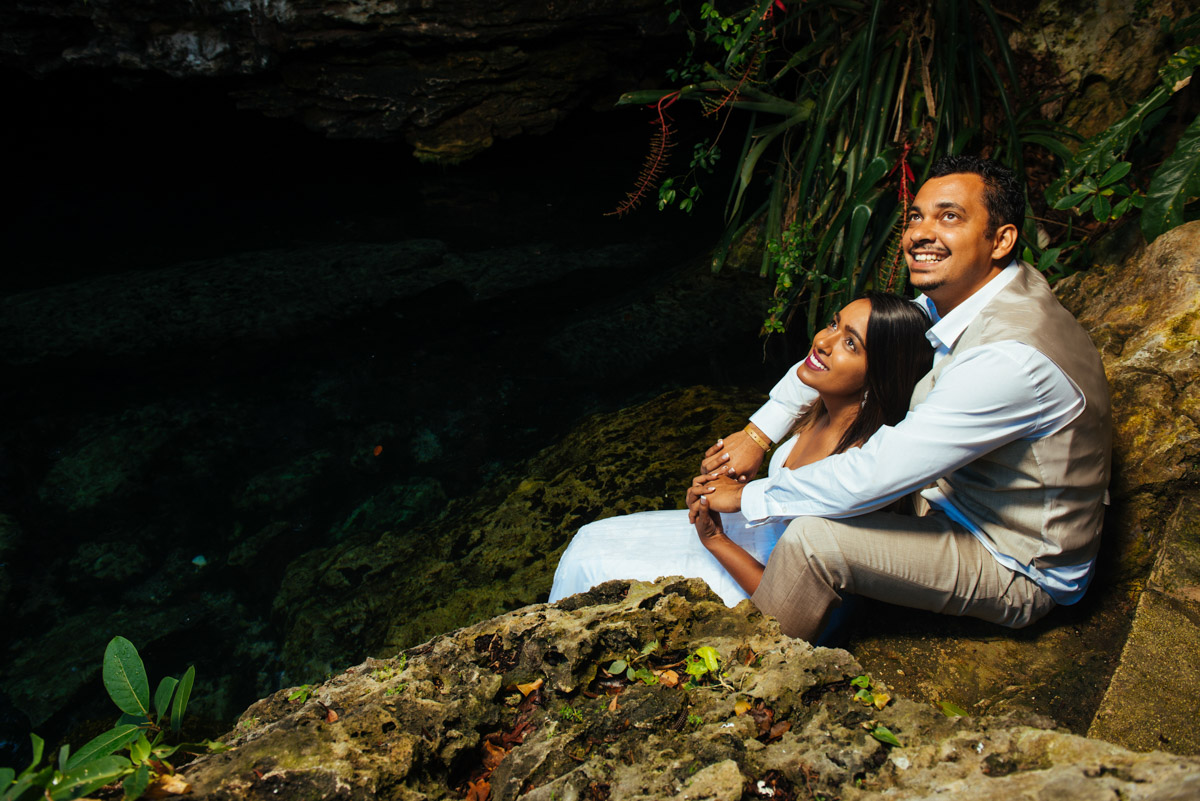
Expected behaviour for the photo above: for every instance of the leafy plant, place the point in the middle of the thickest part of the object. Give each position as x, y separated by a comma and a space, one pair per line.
570, 713
139, 733
1096, 182
632, 669
845, 103
301, 694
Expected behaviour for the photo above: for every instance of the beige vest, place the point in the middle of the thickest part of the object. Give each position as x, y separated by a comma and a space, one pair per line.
1040, 501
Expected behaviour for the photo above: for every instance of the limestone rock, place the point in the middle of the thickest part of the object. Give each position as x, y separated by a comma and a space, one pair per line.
1096, 59
451, 713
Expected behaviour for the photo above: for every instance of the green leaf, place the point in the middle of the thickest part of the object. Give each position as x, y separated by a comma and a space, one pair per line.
1173, 184
162, 697
182, 694
649, 648
952, 710
136, 783
6, 777
1101, 208
712, 660
618, 667
863, 681
865, 695
104, 744
1115, 173
1048, 258
125, 677
884, 735
39, 746
88, 777
1070, 200
139, 750
64, 754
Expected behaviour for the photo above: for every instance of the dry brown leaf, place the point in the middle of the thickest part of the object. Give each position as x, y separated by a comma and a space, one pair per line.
742, 707
778, 730
668, 678
613, 706
167, 785
493, 755
331, 716
526, 689
478, 791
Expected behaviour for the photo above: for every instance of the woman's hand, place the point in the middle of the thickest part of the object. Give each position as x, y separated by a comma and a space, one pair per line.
707, 522
736, 455
720, 492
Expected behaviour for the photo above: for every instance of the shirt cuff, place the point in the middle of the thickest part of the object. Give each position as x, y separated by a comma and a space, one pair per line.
754, 502
774, 419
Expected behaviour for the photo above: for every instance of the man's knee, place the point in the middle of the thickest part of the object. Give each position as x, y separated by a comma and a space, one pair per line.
812, 542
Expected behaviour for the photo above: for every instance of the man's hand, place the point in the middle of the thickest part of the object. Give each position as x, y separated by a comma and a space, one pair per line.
736, 455
720, 493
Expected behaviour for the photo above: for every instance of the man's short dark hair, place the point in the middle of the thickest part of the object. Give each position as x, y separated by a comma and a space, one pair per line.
1003, 194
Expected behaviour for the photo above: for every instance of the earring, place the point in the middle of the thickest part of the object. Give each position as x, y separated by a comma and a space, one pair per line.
866, 392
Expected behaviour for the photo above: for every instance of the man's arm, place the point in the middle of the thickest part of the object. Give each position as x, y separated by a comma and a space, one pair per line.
987, 397
789, 399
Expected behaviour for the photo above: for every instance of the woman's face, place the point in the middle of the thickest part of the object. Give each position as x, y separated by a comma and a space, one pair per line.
837, 364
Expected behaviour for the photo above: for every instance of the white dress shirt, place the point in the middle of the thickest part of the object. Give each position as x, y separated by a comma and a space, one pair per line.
988, 396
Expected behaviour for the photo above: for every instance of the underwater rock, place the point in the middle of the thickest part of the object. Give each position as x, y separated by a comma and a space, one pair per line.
448, 77
520, 705
251, 299
387, 587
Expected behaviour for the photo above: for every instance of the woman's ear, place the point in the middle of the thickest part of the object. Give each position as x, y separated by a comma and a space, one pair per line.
1003, 242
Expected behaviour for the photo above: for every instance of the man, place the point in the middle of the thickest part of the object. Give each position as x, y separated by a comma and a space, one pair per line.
1012, 423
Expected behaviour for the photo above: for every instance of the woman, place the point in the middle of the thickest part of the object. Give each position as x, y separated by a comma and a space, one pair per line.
857, 395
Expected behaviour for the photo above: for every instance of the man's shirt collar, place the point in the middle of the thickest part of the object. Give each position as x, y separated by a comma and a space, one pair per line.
946, 330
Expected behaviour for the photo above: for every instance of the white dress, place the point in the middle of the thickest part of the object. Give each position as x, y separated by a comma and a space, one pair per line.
648, 545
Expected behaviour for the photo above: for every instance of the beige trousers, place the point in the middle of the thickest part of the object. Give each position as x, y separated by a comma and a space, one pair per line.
925, 562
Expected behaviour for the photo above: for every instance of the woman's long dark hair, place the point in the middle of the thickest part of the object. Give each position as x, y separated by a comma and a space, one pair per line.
898, 356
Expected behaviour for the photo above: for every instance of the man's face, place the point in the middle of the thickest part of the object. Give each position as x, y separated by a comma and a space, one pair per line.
949, 253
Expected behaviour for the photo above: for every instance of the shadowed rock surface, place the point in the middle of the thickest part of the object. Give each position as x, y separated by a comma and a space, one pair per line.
449, 716
448, 77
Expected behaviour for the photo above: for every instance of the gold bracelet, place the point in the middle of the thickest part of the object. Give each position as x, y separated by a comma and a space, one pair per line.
765, 444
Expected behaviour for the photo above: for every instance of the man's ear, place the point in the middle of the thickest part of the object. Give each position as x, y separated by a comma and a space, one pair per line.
1003, 242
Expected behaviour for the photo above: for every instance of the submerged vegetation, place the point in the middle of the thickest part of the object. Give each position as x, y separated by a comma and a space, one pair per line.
849, 102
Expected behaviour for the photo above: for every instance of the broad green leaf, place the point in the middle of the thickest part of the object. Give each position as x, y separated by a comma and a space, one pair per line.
712, 660
884, 735
136, 783
88, 777
1101, 208
1070, 200
618, 667
649, 648
1173, 184
182, 694
1048, 258
6, 777
1115, 173
104, 744
863, 681
139, 750
125, 677
64, 754
162, 697
952, 710
39, 746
